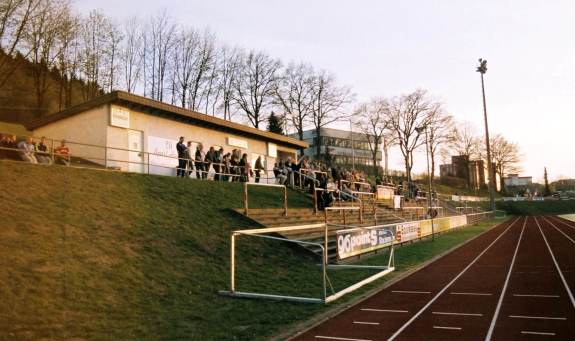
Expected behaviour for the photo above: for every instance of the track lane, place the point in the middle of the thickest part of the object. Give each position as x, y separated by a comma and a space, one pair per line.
467, 317
383, 314
536, 303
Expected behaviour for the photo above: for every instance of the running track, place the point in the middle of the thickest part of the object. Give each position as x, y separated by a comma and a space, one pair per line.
514, 282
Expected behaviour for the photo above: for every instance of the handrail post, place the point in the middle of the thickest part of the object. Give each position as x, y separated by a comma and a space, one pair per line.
324, 275
233, 263
315, 200
246, 198
344, 222
326, 255
148, 154
285, 201
52, 152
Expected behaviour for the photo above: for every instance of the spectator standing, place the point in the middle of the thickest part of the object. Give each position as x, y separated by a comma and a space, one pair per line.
189, 161
218, 167
199, 158
27, 150
42, 152
62, 154
209, 159
226, 167
258, 168
245, 167
181, 147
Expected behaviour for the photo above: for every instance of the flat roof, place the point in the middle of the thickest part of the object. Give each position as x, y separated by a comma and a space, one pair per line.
173, 112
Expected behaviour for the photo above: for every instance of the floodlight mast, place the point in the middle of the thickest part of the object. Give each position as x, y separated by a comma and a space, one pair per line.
482, 69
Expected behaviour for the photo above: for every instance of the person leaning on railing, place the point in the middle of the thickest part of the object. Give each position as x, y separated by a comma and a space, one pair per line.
189, 162
27, 150
42, 152
9, 151
181, 147
199, 160
258, 168
62, 154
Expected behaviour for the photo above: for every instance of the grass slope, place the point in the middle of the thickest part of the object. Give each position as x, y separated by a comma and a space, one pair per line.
100, 255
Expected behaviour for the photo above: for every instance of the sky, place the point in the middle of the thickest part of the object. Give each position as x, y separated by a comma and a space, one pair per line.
388, 48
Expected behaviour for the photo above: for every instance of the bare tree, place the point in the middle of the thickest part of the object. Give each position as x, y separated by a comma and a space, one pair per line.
131, 53
327, 101
93, 46
505, 157
254, 85
229, 62
15, 17
374, 123
46, 38
113, 39
203, 61
439, 130
159, 43
407, 114
294, 94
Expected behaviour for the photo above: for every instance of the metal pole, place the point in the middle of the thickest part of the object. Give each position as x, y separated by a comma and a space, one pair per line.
325, 241
482, 69
246, 198
352, 146
429, 199
233, 263
285, 201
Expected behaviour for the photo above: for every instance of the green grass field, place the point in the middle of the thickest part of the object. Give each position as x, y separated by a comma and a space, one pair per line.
102, 255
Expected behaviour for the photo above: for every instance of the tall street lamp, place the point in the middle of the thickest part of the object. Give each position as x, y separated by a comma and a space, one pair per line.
430, 211
352, 146
482, 69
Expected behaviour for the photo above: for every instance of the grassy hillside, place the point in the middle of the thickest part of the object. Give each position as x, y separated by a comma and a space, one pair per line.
102, 255
537, 207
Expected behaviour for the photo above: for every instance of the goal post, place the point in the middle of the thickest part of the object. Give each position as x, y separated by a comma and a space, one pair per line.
323, 280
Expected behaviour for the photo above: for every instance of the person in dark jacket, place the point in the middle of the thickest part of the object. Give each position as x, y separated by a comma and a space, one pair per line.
259, 167
181, 147
199, 158
209, 159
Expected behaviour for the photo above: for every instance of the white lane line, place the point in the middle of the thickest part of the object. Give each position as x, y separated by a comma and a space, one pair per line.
500, 302
448, 328
370, 323
471, 293
410, 292
385, 310
544, 296
557, 265
537, 333
457, 314
563, 233
564, 223
338, 338
537, 317
410, 321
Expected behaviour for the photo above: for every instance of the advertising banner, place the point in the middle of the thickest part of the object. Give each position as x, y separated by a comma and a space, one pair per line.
165, 161
360, 240
407, 231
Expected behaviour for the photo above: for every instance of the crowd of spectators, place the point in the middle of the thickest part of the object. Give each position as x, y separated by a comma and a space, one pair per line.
28, 150
232, 166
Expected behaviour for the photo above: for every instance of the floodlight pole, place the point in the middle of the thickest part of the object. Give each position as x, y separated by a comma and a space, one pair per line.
352, 146
429, 190
482, 69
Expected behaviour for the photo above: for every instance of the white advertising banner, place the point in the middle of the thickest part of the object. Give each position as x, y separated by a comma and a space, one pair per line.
407, 231
165, 159
356, 241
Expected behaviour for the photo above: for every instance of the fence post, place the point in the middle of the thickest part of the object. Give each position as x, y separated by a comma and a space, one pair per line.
285, 201
315, 200
233, 263
344, 217
106, 156
246, 198
326, 252
52, 152
149, 162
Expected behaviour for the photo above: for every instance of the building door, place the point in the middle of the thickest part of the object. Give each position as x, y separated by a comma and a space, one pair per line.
136, 147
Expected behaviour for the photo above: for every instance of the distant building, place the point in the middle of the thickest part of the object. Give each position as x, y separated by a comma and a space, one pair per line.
472, 171
514, 180
336, 146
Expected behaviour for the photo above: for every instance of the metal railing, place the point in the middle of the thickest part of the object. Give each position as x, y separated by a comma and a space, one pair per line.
246, 198
86, 155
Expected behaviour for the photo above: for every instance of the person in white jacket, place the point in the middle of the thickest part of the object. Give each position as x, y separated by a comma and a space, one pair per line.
27, 150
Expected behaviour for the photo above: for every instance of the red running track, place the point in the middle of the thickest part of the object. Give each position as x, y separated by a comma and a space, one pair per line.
514, 282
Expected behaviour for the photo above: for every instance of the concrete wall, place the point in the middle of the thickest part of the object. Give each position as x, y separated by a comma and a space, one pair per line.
87, 128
